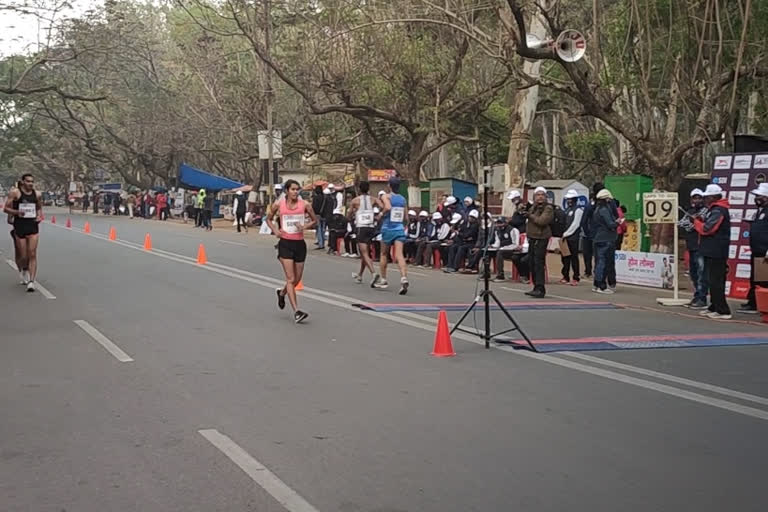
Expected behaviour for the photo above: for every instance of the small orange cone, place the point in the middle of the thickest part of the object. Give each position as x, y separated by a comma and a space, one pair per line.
443, 345
53, 219
147, 242
299, 286
69, 223
87, 227
112, 233
202, 259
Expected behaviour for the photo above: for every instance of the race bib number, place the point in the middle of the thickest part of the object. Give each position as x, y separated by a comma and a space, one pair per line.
365, 218
398, 214
28, 210
291, 223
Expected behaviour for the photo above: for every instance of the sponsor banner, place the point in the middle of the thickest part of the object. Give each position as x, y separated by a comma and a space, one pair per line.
735, 234
645, 269
745, 252
742, 162
761, 162
732, 251
743, 271
737, 197
739, 289
723, 161
381, 174
740, 179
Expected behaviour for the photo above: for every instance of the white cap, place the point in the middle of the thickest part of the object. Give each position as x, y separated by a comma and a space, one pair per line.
278, 186
540, 189
604, 194
513, 194
456, 218
327, 191
696, 192
376, 209
437, 216
239, 192
761, 190
571, 194
713, 190
449, 201
423, 213
474, 213
381, 193
412, 212
331, 186
468, 199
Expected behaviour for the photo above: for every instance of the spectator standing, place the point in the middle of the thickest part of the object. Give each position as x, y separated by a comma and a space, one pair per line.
695, 259
604, 224
758, 243
239, 209
539, 231
714, 226
573, 216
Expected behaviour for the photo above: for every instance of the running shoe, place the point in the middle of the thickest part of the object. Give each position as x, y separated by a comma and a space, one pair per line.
706, 312
23, 278
381, 284
300, 316
403, 285
375, 280
31, 286
747, 309
280, 299
718, 316
358, 278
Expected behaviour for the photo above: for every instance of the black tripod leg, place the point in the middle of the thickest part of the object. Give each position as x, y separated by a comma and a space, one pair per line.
511, 319
468, 311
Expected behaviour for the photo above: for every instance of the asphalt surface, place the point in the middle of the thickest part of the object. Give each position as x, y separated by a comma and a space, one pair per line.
348, 412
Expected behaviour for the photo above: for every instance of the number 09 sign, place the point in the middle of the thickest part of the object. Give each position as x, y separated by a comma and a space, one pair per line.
660, 207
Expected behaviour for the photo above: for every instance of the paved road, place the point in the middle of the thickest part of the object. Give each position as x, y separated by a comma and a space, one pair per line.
182, 388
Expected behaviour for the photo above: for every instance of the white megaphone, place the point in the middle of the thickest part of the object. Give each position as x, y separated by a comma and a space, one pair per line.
570, 45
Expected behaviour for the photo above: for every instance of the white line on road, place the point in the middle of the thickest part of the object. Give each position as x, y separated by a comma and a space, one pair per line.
427, 324
233, 243
42, 289
548, 295
259, 473
671, 378
104, 341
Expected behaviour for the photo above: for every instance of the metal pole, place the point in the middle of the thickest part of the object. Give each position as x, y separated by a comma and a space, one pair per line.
486, 258
267, 47
675, 264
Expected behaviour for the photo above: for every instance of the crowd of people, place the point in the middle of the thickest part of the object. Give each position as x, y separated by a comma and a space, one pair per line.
453, 237
147, 204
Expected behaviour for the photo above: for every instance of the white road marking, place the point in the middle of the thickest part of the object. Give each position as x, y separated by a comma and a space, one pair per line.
428, 325
259, 473
671, 378
42, 289
233, 243
410, 272
548, 294
104, 341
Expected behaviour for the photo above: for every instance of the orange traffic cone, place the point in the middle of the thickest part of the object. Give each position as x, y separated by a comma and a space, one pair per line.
53, 219
299, 286
87, 227
69, 223
112, 233
147, 242
443, 345
202, 259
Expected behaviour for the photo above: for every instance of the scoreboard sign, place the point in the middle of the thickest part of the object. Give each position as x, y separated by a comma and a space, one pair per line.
660, 207
738, 175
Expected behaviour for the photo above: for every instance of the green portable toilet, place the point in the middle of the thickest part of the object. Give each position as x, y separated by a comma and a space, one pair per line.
629, 190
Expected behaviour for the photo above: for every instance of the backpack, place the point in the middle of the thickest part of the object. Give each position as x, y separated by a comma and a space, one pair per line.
559, 222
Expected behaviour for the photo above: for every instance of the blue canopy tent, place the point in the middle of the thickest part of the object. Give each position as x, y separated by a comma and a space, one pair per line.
192, 178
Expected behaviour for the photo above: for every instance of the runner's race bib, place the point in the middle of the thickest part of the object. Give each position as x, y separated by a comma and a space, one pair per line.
365, 218
28, 210
397, 214
291, 223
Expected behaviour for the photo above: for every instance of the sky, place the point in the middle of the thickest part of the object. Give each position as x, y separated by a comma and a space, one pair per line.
22, 33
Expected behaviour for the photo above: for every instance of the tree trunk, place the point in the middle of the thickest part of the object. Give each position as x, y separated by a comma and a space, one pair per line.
522, 113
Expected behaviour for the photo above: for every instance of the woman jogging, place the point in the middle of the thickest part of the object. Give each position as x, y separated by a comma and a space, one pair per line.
393, 233
292, 212
27, 210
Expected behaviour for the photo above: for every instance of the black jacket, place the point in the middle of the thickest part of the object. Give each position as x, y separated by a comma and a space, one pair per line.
469, 233
715, 230
758, 233
603, 223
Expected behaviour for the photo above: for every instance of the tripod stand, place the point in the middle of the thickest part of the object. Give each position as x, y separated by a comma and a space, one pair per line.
486, 294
